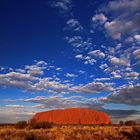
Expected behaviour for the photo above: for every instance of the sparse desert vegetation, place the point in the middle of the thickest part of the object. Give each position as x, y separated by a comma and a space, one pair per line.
48, 131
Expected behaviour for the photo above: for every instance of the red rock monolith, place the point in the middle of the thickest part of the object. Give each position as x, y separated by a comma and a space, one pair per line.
73, 116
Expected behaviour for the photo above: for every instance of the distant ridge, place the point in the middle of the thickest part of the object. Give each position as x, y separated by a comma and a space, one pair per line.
73, 116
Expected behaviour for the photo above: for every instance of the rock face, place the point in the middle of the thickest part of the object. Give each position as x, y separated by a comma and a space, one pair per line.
73, 116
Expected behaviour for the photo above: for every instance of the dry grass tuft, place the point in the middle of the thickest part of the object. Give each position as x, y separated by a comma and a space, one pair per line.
71, 132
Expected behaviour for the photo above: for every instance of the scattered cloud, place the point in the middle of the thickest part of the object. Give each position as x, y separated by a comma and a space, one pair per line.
137, 37
116, 75
73, 24
18, 80
99, 18
79, 56
2, 68
57, 102
127, 95
71, 75
97, 53
125, 21
13, 115
37, 69
58, 69
31, 80
79, 43
94, 87
137, 54
132, 75
123, 5
116, 28
102, 79
90, 61
81, 72
15, 106
119, 61
62, 5
129, 40
103, 66
119, 115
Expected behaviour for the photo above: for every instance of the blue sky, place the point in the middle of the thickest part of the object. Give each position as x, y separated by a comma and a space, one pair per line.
57, 54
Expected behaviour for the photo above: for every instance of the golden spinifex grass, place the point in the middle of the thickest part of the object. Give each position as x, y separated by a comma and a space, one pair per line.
72, 132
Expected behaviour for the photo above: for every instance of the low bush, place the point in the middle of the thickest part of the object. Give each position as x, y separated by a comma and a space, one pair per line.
130, 123
121, 123
37, 125
21, 124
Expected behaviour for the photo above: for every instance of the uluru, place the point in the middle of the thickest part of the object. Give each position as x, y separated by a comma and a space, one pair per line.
73, 116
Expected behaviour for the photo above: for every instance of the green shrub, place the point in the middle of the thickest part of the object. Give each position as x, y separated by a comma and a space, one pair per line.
21, 124
121, 123
130, 123
37, 125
